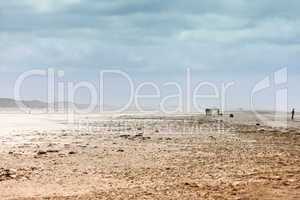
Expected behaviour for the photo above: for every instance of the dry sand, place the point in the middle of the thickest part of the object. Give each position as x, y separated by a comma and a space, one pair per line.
147, 157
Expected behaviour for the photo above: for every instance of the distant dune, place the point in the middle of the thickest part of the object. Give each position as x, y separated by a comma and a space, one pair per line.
7, 103
11, 103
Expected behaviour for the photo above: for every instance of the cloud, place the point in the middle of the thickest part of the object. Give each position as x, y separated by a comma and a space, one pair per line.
46, 6
148, 35
263, 32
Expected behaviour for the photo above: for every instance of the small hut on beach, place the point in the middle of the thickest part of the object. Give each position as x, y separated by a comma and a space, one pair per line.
212, 112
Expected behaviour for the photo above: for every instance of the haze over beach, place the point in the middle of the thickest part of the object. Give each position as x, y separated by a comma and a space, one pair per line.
140, 99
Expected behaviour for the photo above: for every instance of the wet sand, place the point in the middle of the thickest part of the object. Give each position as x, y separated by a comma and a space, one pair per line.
147, 157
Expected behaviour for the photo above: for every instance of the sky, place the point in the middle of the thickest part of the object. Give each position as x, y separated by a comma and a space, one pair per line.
219, 41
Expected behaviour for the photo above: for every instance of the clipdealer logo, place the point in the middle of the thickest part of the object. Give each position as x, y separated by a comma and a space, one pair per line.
278, 80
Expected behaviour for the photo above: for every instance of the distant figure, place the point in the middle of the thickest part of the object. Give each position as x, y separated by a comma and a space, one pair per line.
293, 114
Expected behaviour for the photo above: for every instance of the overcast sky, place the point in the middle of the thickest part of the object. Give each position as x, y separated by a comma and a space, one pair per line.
219, 40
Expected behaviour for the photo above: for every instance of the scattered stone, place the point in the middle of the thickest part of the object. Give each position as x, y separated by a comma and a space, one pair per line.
139, 135
8, 174
33, 168
261, 130
120, 150
125, 136
146, 138
5, 174
72, 152
212, 138
193, 185
41, 152
50, 145
52, 151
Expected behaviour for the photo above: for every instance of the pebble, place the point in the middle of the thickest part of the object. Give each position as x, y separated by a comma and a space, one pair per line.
41, 152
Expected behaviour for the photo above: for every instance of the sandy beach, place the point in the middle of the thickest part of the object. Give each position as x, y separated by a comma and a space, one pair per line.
147, 157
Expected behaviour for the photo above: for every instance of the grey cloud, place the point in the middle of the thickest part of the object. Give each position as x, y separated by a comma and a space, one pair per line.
144, 17
152, 35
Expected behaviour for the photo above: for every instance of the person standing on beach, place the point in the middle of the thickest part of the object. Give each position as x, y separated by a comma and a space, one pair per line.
293, 114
